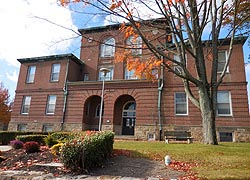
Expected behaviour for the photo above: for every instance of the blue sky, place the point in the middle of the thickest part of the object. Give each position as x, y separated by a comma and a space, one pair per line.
24, 35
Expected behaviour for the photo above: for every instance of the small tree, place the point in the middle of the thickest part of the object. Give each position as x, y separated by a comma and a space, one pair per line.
184, 23
5, 105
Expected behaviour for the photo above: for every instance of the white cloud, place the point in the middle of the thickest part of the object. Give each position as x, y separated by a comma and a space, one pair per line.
23, 35
12, 76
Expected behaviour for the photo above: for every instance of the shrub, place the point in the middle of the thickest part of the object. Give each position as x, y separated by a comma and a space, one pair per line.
50, 141
88, 150
7, 136
32, 147
34, 137
55, 149
63, 136
16, 144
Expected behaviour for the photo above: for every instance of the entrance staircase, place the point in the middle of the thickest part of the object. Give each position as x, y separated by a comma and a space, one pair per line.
125, 138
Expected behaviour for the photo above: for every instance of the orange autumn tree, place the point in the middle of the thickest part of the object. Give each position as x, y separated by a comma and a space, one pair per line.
166, 28
242, 18
5, 105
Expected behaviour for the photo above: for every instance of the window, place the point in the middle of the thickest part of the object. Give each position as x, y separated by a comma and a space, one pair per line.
47, 128
51, 104
108, 77
108, 47
21, 127
181, 107
222, 57
97, 111
86, 77
55, 72
226, 137
130, 74
31, 74
178, 68
155, 73
135, 43
224, 103
26, 105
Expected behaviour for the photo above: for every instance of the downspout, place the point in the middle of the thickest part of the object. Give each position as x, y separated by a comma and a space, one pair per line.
65, 95
160, 87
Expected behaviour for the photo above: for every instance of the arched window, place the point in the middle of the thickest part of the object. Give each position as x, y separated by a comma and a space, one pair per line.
129, 109
135, 44
108, 47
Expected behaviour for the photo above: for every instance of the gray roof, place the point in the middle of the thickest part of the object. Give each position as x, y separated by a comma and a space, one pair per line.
51, 58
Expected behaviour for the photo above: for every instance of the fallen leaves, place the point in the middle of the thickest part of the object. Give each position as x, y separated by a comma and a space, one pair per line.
186, 167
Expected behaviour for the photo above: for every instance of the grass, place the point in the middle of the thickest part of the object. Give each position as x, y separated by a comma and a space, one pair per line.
225, 161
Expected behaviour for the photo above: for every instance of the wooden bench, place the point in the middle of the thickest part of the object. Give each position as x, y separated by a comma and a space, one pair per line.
178, 136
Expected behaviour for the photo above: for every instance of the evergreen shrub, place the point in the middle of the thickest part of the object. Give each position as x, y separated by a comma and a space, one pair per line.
62, 136
50, 141
34, 137
87, 150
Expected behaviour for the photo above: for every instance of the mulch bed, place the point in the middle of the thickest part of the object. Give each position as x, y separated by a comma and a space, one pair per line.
120, 164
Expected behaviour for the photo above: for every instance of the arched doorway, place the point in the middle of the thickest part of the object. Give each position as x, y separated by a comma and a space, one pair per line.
91, 113
124, 115
128, 118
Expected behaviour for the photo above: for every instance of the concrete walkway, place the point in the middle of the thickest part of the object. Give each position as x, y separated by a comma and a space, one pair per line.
39, 175
5, 148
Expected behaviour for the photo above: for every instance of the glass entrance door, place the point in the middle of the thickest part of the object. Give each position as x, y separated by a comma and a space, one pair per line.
129, 117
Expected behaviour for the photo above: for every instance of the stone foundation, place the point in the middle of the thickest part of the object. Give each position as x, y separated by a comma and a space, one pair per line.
142, 132
34, 126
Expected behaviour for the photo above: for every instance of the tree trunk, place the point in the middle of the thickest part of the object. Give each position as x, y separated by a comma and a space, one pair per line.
208, 117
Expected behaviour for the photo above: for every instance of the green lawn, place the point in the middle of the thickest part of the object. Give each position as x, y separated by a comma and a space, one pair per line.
225, 161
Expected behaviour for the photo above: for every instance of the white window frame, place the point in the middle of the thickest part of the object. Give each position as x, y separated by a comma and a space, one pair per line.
136, 44
229, 103
26, 105
109, 75
55, 71
180, 103
51, 104
129, 75
108, 47
31, 74
224, 61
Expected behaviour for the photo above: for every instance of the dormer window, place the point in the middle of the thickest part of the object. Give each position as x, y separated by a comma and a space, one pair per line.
108, 47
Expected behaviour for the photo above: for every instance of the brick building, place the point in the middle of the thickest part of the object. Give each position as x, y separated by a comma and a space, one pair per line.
62, 92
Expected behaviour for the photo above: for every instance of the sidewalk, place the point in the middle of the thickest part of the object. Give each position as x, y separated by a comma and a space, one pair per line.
38, 175
5, 148
129, 169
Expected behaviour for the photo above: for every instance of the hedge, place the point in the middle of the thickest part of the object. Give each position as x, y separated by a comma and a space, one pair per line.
33, 137
7, 136
88, 150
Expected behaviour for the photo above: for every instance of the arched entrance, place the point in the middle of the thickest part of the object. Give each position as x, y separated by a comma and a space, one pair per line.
124, 115
128, 118
91, 113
